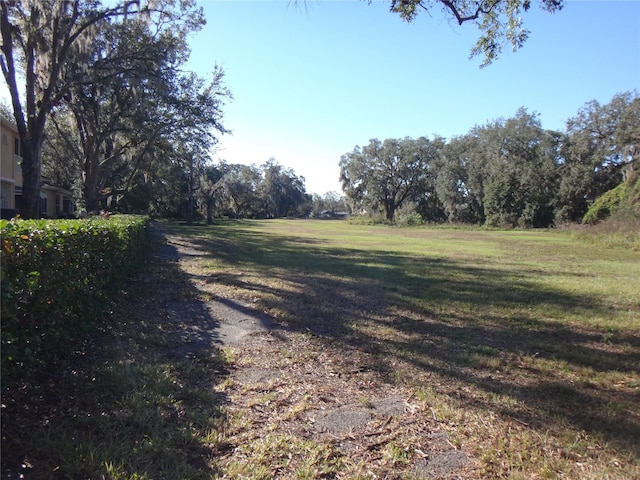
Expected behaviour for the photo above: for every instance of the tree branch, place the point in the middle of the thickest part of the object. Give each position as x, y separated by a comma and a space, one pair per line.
461, 17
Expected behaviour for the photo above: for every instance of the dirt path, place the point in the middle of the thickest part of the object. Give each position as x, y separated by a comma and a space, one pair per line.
296, 397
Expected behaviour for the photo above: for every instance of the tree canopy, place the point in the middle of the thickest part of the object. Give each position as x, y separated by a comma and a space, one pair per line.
102, 107
249, 191
387, 174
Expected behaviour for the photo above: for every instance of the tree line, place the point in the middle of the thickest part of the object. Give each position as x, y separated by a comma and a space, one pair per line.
266, 191
509, 172
110, 114
250, 191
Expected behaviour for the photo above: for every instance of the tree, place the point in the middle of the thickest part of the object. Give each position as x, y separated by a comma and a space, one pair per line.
283, 192
6, 112
458, 181
502, 173
249, 191
211, 187
601, 141
241, 184
59, 153
42, 39
138, 100
520, 173
499, 21
385, 175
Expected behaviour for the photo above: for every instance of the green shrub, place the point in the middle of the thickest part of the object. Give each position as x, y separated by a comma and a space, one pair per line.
620, 204
57, 276
606, 204
410, 219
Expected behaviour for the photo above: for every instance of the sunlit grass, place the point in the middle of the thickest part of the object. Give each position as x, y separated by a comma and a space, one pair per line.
527, 324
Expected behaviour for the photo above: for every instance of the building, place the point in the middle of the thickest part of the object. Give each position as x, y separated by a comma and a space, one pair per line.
55, 202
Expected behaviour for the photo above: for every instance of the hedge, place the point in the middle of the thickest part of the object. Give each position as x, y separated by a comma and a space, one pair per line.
56, 279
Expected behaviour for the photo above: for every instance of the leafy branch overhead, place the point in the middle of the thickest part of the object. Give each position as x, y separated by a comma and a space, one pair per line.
499, 21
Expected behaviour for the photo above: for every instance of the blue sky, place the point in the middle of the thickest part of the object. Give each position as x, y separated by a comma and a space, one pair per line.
312, 81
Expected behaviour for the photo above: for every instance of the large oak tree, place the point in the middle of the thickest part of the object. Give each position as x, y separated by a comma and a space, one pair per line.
40, 39
384, 175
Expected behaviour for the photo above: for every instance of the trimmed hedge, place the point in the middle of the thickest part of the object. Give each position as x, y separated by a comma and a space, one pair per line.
56, 279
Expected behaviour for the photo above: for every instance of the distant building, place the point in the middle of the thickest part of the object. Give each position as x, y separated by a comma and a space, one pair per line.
55, 202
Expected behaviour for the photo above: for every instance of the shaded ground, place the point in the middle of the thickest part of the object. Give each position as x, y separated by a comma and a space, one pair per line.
213, 323
509, 389
332, 397
296, 404
305, 387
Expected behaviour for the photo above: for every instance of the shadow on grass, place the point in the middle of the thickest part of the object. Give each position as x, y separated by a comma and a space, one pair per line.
134, 399
488, 327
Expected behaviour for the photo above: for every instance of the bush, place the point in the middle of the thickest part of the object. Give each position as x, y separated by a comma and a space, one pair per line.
620, 204
57, 276
410, 219
606, 204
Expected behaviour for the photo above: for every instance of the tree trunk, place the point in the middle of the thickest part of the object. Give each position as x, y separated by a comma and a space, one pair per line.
390, 215
390, 207
91, 192
31, 169
210, 206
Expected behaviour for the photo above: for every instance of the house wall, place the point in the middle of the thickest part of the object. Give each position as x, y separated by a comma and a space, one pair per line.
55, 202
10, 172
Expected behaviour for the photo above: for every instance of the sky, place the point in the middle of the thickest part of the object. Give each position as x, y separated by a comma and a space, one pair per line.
312, 80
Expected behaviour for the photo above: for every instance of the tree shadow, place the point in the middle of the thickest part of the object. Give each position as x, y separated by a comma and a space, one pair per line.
484, 326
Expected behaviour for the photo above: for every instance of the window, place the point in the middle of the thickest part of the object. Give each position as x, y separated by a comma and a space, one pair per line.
43, 205
6, 192
68, 206
16, 147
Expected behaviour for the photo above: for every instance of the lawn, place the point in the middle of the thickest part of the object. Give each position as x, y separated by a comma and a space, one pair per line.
520, 349
526, 341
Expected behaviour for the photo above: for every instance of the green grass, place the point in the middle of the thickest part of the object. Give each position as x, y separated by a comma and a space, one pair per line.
145, 424
533, 327
524, 345
544, 275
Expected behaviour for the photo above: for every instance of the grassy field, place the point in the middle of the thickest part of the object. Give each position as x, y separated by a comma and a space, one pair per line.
527, 341
523, 346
